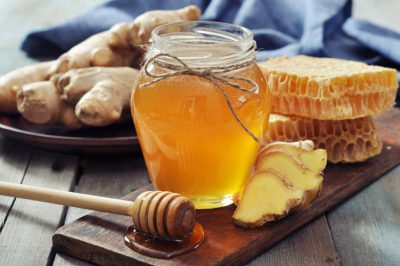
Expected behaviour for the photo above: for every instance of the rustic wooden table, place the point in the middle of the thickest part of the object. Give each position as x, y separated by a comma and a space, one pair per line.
365, 230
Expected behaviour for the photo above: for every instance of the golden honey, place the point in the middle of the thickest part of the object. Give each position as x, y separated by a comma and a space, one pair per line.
190, 139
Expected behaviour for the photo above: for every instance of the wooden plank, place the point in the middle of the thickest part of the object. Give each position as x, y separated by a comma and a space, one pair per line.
17, 19
310, 245
99, 173
106, 176
14, 158
26, 236
97, 237
366, 229
62, 259
357, 246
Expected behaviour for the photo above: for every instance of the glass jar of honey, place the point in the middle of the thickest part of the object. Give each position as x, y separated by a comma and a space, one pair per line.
200, 106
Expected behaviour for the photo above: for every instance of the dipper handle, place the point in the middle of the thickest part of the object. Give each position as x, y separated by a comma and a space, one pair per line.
164, 215
73, 199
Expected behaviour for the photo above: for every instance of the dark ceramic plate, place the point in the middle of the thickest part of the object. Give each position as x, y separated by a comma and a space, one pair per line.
117, 138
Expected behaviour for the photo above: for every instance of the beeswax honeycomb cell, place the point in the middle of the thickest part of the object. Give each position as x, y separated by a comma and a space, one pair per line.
346, 141
327, 88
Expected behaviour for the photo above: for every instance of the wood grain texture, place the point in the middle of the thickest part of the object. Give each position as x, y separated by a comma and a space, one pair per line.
97, 237
310, 245
105, 176
366, 229
14, 158
26, 237
20, 16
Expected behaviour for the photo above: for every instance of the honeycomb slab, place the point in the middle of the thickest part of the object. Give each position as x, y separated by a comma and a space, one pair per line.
328, 88
346, 141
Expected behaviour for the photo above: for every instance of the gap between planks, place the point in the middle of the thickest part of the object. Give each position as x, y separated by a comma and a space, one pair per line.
14, 161
318, 250
30, 225
366, 228
110, 176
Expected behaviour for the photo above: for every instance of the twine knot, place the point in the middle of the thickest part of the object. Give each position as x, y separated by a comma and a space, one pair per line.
213, 74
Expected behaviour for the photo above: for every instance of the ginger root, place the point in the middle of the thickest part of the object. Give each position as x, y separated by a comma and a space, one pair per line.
100, 93
86, 76
76, 82
302, 144
139, 31
14, 80
40, 103
298, 165
266, 197
296, 171
105, 102
119, 46
314, 160
94, 51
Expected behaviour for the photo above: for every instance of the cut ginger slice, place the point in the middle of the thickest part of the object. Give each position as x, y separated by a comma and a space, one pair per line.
295, 170
302, 144
314, 160
266, 197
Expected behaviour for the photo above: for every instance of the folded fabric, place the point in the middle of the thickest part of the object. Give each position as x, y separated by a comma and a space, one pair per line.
379, 39
60, 38
281, 27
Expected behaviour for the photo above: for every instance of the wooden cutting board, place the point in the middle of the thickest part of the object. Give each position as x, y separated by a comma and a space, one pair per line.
98, 237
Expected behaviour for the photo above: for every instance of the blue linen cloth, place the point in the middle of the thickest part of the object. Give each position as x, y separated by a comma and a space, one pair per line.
281, 27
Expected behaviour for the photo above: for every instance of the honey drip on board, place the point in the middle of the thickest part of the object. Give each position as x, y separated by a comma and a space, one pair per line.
163, 249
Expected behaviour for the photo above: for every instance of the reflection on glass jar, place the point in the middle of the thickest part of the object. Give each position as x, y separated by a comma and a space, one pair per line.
193, 142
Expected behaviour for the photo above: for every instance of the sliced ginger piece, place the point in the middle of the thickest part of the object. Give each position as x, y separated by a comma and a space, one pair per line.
314, 160
302, 144
266, 197
303, 152
296, 171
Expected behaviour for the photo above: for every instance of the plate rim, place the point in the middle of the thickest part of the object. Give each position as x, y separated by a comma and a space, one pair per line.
67, 140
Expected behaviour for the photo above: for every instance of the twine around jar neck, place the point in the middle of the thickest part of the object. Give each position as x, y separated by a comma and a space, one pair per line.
213, 74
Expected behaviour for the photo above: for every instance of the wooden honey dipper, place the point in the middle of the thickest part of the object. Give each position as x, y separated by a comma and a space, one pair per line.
161, 214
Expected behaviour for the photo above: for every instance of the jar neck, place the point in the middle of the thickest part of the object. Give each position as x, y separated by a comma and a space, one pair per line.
203, 44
